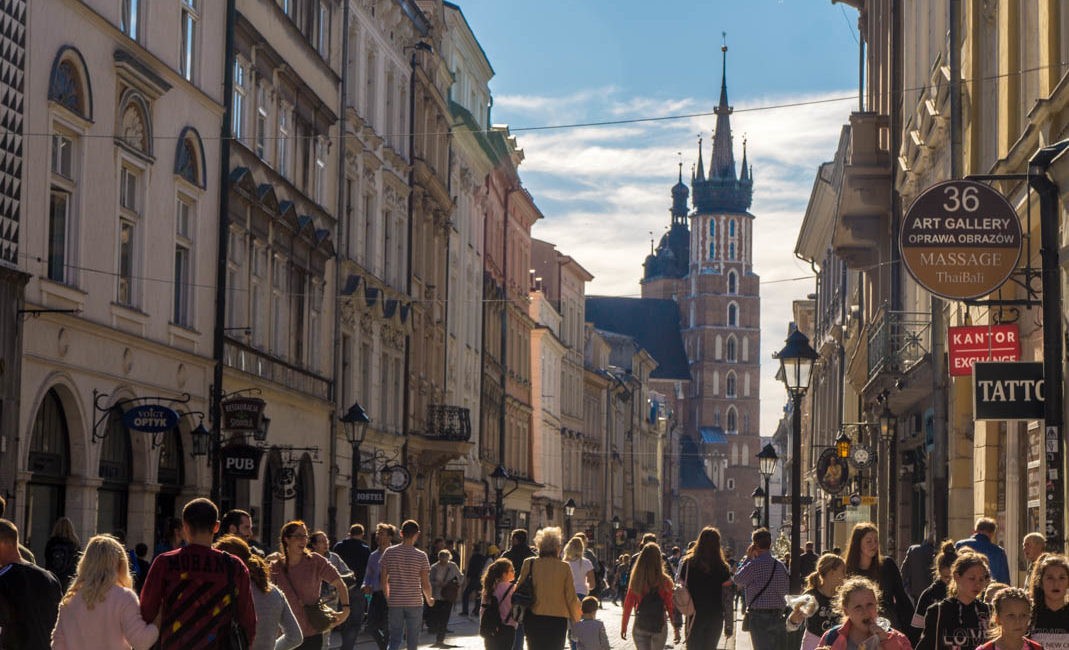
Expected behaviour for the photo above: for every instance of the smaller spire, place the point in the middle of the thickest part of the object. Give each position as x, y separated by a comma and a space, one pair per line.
701, 165
724, 73
745, 172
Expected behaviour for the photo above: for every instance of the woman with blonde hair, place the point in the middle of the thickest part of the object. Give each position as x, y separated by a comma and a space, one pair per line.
273, 613
582, 568
61, 551
300, 575
545, 624
858, 604
817, 611
650, 595
101, 605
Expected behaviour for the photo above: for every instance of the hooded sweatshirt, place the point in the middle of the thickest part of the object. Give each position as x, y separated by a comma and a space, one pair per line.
952, 624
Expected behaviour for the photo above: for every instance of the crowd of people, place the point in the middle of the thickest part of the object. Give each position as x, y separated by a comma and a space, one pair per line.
210, 585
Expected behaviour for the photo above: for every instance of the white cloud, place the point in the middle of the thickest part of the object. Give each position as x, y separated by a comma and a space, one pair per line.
605, 191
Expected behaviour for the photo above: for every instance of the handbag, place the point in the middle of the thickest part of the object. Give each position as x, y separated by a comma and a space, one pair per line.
681, 597
523, 595
746, 614
451, 591
320, 615
236, 638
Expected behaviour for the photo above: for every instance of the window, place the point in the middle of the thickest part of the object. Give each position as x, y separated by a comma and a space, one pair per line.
321, 170
731, 251
62, 155
323, 29
733, 315
733, 422
732, 385
731, 349
60, 203
712, 228
183, 258
261, 122
130, 18
712, 251
283, 143
129, 216
259, 277
731, 516
187, 56
237, 123
731, 228
733, 283
730, 484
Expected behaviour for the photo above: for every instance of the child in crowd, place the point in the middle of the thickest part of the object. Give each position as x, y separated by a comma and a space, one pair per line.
857, 602
1010, 616
817, 613
960, 620
1050, 614
589, 633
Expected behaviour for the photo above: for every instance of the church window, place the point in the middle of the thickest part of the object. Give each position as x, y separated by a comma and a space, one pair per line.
746, 385
733, 282
716, 417
731, 251
745, 454
731, 228
733, 427
716, 383
712, 251
734, 454
733, 315
731, 347
731, 385
712, 228
745, 349
718, 347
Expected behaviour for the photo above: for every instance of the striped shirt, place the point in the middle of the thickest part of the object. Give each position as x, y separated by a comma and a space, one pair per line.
403, 566
753, 574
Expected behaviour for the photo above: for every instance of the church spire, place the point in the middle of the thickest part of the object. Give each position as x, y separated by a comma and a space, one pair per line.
700, 174
744, 173
723, 162
680, 195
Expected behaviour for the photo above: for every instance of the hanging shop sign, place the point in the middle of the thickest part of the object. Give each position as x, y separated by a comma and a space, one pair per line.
369, 497
150, 418
241, 461
482, 511
243, 414
451, 487
960, 239
833, 473
285, 484
1008, 391
396, 478
970, 344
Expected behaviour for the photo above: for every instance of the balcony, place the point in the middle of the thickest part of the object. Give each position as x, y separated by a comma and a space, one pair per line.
262, 365
865, 196
447, 436
897, 342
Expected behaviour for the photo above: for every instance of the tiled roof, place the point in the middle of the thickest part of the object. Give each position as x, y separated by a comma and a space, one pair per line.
713, 435
653, 323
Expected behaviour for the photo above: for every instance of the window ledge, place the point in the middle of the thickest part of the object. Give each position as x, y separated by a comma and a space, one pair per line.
183, 337
129, 318
61, 295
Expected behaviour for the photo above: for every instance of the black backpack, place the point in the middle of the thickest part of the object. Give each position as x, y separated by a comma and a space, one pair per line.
490, 623
649, 617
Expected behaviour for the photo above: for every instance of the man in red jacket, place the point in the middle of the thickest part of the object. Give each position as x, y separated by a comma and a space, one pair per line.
194, 592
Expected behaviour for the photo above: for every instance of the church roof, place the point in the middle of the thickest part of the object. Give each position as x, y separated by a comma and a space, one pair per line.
713, 435
653, 323
692, 474
722, 190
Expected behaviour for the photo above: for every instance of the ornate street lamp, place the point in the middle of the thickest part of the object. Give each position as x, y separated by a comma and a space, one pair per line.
615, 522
202, 440
796, 362
842, 444
755, 518
888, 429
497, 480
354, 422
888, 423
758, 497
569, 510
767, 459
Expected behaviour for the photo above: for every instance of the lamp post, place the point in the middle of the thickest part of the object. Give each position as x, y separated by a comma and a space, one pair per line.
569, 510
755, 518
497, 481
888, 429
766, 466
842, 444
355, 422
796, 360
760, 499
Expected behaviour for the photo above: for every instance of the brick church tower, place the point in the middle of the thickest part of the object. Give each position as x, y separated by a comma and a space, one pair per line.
705, 264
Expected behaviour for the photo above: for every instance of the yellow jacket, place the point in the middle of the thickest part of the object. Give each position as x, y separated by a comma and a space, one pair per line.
554, 590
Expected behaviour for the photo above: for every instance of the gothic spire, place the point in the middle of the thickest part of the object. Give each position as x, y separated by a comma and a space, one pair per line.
700, 174
723, 162
744, 173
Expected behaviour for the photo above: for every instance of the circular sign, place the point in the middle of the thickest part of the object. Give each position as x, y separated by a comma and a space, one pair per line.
960, 239
832, 471
397, 478
861, 455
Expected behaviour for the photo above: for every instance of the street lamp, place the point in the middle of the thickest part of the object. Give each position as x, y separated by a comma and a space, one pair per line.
888, 428
569, 510
758, 498
796, 361
615, 522
497, 481
755, 518
842, 444
202, 440
766, 466
355, 422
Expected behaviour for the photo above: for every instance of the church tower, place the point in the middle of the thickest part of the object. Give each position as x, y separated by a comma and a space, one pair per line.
705, 264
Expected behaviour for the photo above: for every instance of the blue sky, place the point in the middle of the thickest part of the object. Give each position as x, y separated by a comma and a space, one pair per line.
604, 190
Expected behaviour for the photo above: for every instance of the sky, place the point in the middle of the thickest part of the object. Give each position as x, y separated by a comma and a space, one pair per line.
792, 76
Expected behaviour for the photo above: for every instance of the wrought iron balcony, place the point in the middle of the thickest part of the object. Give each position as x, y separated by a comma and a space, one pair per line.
898, 341
446, 422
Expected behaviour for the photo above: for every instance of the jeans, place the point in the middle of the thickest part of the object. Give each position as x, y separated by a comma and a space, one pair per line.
474, 587
545, 632
517, 643
405, 623
440, 618
351, 629
704, 631
502, 641
378, 620
768, 629
645, 640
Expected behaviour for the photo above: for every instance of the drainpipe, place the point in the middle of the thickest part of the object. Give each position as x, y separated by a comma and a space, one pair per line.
219, 334
343, 223
1053, 348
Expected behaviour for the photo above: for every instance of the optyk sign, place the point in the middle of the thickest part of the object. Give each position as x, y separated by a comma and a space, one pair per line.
1008, 391
150, 418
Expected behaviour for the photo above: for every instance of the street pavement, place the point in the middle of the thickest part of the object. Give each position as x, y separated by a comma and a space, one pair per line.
465, 634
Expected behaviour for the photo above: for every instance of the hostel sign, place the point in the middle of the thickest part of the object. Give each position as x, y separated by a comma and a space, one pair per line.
960, 239
970, 344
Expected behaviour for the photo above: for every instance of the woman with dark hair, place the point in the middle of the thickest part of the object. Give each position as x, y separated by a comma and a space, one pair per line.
935, 592
707, 577
300, 574
1050, 609
960, 620
62, 550
273, 613
863, 559
497, 588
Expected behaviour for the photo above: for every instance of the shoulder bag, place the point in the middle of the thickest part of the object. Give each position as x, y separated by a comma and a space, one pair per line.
681, 594
523, 596
236, 639
749, 603
320, 615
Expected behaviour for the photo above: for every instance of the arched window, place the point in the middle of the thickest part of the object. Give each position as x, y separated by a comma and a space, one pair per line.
718, 347
732, 386
189, 157
732, 347
712, 228
68, 84
733, 282
733, 423
745, 454
116, 463
731, 251
688, 518
734, 453
49, 466
733, 315
731, 228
